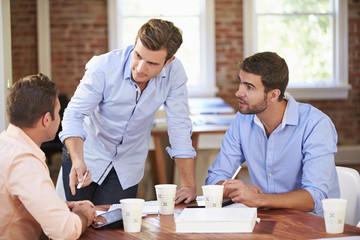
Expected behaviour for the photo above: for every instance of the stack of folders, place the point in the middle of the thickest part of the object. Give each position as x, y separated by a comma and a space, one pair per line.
216, 220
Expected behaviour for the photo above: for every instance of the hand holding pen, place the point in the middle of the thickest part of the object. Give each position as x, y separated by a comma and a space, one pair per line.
83, 180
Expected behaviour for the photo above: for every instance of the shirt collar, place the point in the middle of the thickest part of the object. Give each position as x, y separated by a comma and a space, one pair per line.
20, 135
290, 117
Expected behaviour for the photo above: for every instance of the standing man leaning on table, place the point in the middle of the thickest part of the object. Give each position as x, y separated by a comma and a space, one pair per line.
288, 146
107, 124
28, 200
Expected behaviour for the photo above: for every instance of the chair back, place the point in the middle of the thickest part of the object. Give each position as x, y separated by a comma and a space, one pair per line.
349, 182
59, 186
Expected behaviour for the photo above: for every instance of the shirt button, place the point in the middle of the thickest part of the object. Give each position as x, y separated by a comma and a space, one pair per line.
270, 175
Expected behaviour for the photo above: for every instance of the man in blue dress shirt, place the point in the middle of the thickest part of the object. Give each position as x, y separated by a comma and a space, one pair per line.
289, 147
107, 124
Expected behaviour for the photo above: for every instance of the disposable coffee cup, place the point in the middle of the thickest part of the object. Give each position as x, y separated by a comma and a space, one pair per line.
132, 209
165, 194
334, 214
213, 195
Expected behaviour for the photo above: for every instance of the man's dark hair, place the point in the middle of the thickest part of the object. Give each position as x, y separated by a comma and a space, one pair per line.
271, 67
29, 99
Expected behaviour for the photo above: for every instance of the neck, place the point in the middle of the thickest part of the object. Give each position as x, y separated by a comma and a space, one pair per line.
142, 85
34, 135
272, 116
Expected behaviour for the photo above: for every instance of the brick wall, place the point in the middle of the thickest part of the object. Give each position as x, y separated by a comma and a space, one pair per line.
23, 38
229, 47
79, 31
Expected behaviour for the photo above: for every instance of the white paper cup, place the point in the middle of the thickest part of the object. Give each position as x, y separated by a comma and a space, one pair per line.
132, 209
334, 214
213, 195
165, 194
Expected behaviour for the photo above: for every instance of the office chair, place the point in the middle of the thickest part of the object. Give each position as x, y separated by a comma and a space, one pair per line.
349, 182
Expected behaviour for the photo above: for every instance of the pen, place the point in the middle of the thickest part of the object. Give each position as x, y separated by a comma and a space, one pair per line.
236, 173
80, 184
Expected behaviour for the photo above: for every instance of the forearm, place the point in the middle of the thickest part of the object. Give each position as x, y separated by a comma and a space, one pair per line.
84, 222
186, 168
85, 210
298, 199
75, 146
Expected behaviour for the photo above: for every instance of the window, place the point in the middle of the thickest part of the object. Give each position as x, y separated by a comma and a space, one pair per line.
311, 35
196, 20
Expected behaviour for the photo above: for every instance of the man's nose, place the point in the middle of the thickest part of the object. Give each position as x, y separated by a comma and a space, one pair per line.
240, 92
141, 65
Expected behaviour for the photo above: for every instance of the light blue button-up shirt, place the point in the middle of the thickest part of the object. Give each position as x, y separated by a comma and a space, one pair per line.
299, 153
114, 118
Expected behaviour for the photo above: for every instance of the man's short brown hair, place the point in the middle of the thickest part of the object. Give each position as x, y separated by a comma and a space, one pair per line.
271, 67
29, 99
157, 33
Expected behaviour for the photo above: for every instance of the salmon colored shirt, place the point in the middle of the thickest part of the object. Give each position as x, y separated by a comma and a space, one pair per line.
28, 200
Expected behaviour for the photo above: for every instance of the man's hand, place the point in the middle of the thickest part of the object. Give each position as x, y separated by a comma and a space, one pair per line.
76, 175
187, 191
72, 204
238, 191
185, 194
75, 146
86, 211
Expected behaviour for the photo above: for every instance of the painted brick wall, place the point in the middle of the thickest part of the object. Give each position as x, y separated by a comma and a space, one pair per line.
79, 31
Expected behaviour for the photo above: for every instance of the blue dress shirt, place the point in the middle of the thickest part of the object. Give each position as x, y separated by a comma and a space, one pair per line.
114, 118
299, 153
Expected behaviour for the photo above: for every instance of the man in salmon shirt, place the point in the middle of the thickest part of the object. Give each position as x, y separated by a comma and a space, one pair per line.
28, 200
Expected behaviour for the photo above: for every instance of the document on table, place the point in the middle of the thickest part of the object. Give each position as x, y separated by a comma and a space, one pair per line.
216, 220
150, 207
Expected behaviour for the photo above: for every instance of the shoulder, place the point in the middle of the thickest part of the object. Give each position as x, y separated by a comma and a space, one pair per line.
307, 112
175, 66
110, 60
315, 122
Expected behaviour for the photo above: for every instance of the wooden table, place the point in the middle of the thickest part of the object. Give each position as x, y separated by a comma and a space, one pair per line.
274, 224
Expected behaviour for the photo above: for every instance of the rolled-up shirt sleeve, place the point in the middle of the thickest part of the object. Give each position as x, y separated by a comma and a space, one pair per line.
319, 175
177, 116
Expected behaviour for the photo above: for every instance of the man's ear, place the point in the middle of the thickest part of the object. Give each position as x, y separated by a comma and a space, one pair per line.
46, 119
169, 61
274, 95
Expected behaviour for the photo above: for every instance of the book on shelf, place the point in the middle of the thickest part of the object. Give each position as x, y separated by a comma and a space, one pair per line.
216, 220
